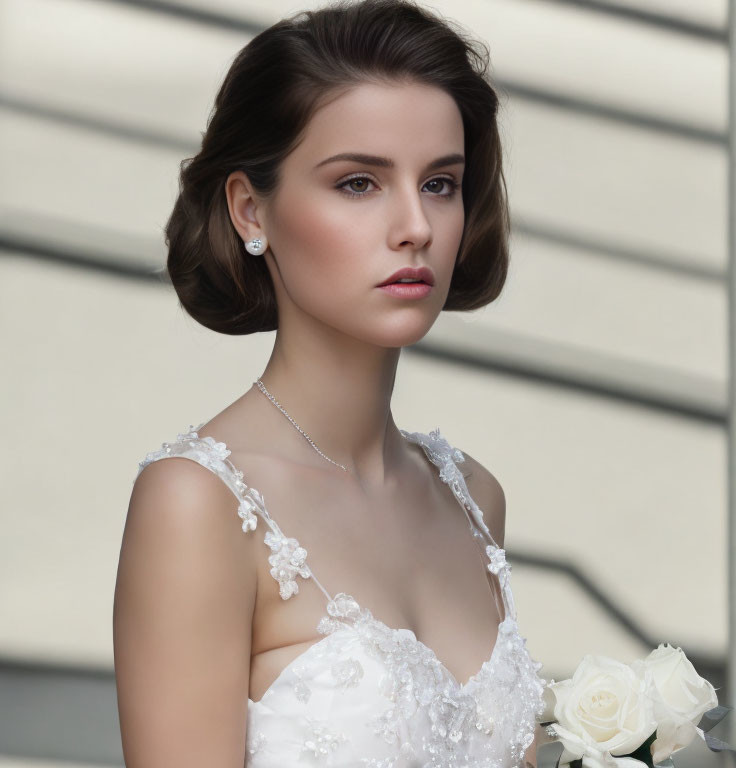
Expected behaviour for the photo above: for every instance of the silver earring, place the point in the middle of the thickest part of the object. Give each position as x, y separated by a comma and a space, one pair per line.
256, 246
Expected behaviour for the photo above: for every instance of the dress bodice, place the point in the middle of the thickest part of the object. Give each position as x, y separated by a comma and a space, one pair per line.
371, 695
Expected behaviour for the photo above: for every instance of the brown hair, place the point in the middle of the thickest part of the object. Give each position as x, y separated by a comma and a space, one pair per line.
272, 88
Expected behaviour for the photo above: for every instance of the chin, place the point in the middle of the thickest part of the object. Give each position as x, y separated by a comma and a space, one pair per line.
401, 336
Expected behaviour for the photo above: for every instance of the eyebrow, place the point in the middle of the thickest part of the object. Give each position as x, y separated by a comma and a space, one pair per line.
386, 162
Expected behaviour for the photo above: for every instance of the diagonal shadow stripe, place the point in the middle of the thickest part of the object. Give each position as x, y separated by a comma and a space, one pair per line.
69, 713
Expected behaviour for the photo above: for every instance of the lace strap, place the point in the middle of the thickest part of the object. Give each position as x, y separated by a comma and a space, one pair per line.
446, 457
288, 557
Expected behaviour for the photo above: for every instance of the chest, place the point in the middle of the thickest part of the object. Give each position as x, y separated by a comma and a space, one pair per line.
408, 555
408, 546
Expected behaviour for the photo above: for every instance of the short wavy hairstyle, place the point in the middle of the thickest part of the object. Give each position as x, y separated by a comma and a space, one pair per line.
274, 85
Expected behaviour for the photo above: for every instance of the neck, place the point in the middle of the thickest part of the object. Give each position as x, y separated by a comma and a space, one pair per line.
339, 393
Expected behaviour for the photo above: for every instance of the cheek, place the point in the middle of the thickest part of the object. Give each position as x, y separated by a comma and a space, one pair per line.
322, 244
321, 228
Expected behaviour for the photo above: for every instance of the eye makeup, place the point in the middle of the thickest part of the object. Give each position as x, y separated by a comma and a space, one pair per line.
448, 180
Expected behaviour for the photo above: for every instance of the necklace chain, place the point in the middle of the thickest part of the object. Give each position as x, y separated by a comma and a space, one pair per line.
263, 389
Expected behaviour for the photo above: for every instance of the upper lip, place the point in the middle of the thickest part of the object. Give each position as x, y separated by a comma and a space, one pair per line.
419, 273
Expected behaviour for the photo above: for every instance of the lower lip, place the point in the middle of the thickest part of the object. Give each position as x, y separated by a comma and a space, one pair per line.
407, 290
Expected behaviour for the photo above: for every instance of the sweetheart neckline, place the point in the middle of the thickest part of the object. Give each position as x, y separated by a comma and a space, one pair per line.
457, 686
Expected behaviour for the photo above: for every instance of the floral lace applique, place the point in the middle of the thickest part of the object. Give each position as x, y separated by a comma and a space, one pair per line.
499, 566
213, 455
446, 458
302, 691
288, 558
505, 688
347, 672
498, 559
245, 512
378, 762
288, 561
321, 740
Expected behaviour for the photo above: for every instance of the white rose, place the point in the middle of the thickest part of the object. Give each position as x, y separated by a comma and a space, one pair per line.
680, 697
604, 708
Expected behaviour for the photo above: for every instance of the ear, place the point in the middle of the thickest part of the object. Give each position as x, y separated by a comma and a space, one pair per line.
243, 206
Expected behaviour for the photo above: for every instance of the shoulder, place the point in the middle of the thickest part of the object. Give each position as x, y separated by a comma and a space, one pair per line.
179, 483
488, 494
181, 503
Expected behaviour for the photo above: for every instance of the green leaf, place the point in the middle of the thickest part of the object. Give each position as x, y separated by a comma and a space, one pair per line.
644, 753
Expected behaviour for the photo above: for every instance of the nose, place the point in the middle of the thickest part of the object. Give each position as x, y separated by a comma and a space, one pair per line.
410, 225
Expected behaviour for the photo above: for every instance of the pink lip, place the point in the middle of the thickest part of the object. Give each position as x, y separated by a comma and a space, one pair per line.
407, 290
422, 273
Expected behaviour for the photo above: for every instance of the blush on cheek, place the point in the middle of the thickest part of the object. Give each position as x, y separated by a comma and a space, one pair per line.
325, 232
317, 258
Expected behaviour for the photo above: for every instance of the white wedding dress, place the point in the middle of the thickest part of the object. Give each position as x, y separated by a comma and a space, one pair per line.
367, 694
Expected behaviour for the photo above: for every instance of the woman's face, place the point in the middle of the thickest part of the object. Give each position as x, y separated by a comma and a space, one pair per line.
337, 228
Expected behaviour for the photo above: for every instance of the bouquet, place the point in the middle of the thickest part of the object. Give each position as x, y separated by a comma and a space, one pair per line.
616, 715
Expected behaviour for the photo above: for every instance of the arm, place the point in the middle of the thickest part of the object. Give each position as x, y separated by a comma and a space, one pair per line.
183, 606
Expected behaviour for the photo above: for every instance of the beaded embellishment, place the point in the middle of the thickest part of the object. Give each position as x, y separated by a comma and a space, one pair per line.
506, 690
288, 558
446, 457
427, 718
288, 561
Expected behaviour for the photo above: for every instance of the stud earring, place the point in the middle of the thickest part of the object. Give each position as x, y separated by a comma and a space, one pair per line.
256, 246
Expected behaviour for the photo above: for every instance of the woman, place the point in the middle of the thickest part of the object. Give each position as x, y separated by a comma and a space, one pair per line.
350, 148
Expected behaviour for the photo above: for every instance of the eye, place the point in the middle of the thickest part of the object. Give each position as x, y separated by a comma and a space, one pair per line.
353, 180
449, 183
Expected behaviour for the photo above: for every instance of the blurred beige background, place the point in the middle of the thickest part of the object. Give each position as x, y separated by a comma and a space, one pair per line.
595, 388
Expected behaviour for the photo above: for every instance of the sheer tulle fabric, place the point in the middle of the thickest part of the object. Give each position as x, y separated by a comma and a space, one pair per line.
371, 695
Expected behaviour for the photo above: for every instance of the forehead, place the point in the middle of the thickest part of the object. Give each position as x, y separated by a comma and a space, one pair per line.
406, 122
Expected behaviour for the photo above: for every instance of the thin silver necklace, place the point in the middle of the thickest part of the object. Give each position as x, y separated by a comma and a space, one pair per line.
263, 389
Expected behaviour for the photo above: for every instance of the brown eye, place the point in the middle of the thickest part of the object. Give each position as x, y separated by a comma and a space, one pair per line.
355, 191
446, 187
359, 182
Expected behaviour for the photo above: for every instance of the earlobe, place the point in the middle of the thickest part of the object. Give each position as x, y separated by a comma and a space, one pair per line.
256, 246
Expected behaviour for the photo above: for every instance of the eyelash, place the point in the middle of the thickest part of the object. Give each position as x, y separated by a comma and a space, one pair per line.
454, 186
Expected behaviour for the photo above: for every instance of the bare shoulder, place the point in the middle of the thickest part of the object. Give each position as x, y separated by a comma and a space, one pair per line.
185, 516
488, 494
182, 613
177, 493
